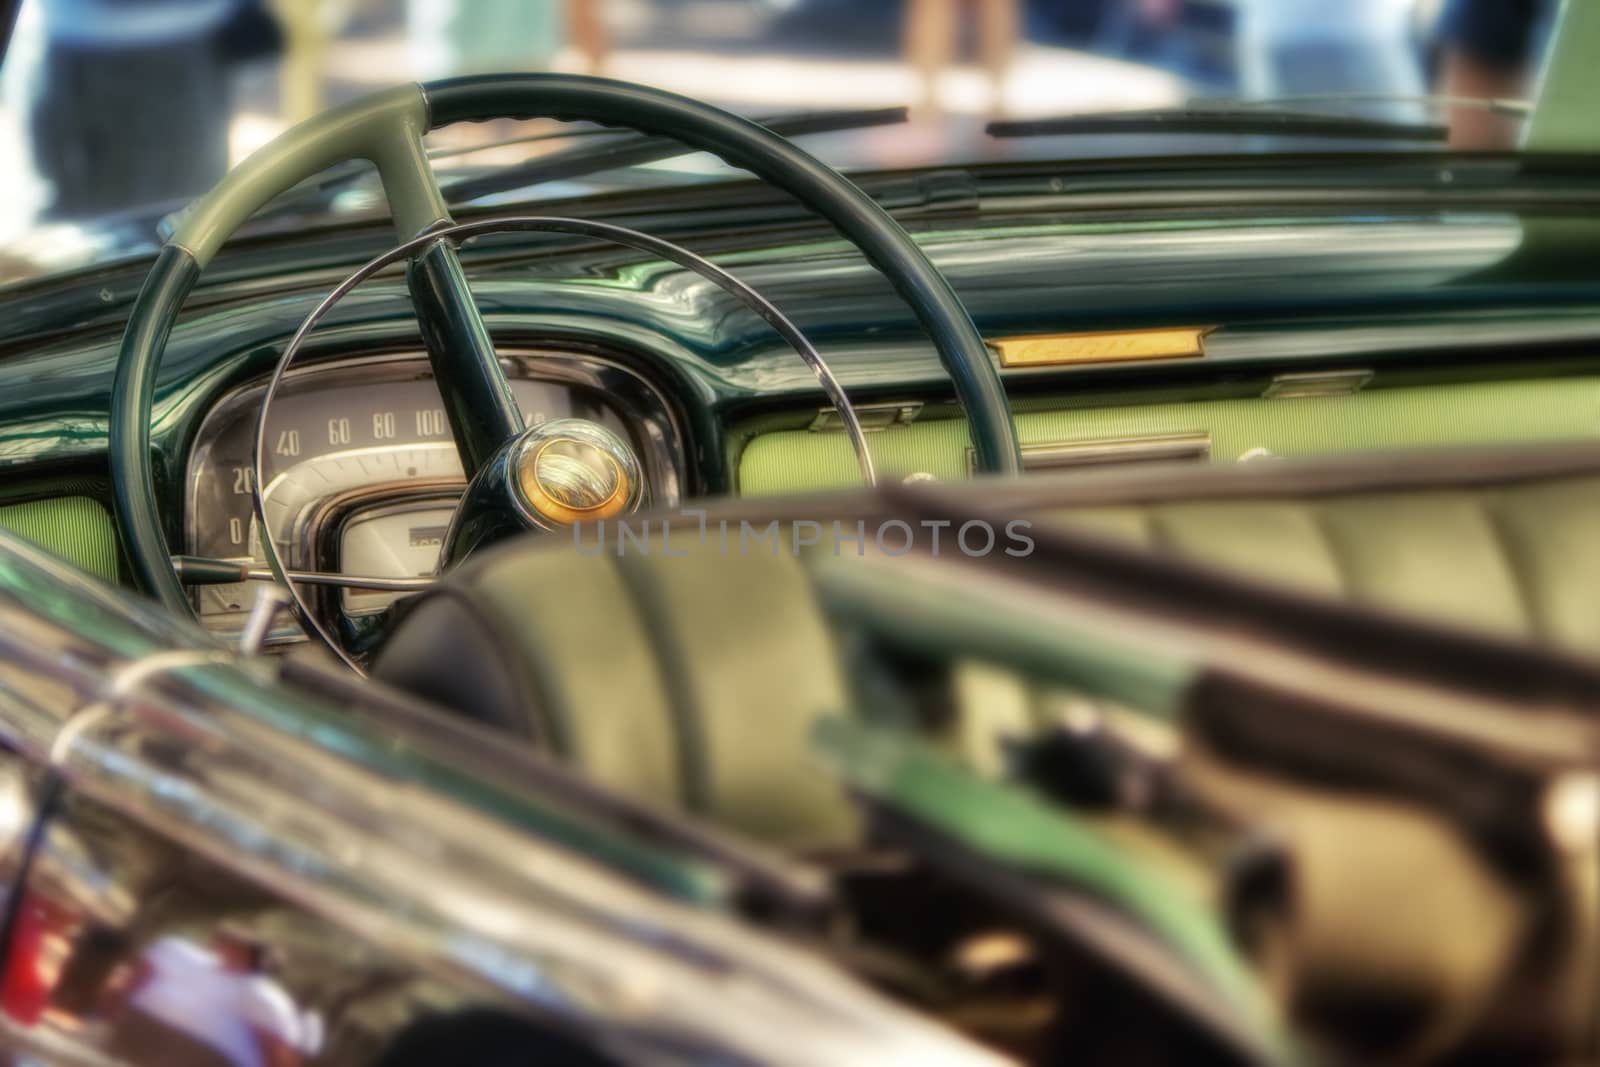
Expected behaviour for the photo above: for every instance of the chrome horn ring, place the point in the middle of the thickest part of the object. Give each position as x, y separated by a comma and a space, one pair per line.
466, 231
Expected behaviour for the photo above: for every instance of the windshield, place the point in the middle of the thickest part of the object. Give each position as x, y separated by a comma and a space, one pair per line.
127, 108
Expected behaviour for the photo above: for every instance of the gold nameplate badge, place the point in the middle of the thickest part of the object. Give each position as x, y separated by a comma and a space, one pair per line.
1109, 346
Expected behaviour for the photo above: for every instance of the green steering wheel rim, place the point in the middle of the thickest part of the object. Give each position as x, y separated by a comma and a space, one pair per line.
387, 129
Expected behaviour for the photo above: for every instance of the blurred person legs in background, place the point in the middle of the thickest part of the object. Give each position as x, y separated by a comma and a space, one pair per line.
1143, 31
1490, 50
1329, 47
310, 27
449, 37
456, 37
588, 30
498, 35
23, 194
933, 34
133, 101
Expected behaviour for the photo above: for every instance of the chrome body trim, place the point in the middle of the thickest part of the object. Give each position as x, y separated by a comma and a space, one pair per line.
240, 865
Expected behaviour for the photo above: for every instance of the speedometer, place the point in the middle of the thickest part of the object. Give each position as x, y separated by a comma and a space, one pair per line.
360, 471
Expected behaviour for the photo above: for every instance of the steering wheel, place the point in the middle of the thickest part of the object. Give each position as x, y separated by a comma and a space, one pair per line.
387, 129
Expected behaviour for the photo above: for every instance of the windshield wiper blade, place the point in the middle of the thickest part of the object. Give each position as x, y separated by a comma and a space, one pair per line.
636, 149
1500, 105
1222, 120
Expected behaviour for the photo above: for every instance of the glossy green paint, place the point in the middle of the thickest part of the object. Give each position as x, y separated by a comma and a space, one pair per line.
476, 396
1359, 261
1073, 654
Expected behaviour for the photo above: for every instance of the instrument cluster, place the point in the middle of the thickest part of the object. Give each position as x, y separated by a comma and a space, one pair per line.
361, 473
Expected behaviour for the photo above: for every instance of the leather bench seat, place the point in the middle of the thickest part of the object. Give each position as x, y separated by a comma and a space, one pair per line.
689, 681
692, 680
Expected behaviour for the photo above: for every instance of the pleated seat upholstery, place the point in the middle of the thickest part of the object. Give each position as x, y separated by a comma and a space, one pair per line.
1521, 561
692, 679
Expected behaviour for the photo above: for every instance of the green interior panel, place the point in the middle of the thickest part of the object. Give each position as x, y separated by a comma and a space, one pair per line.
1471, 413
75, 528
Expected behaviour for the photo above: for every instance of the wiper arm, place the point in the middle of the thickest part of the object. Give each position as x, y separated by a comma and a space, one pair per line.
635, 149
1222, 120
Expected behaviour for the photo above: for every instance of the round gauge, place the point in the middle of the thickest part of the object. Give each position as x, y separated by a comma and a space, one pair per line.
343, 445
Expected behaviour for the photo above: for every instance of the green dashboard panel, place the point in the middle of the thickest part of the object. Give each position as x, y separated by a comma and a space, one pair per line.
75, 528
1472, 413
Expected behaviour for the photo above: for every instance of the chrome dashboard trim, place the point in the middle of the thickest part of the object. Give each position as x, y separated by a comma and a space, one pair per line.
303, 507
1342, 382
653, 421
872, 417
1109, 451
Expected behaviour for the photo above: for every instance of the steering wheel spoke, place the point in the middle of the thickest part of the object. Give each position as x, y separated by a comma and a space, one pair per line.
477, 398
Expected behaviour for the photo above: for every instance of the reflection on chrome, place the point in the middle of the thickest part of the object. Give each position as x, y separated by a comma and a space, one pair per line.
573, 470
236, 870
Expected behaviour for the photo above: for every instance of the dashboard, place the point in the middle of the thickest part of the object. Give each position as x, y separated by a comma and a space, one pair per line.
361, 473
1334, 288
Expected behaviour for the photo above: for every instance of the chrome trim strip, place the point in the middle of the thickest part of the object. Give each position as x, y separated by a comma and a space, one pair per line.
122, 682
1107, 451
337, 815
1317, 383
873, 417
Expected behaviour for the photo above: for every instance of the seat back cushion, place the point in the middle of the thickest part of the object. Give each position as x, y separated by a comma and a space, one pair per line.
1518, 561
690, 679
